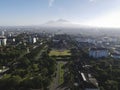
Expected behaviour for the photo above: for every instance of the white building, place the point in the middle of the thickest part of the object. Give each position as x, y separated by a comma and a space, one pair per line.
32, 39
2, 33
3, 41
98, 52
88, 40
89, 82
11, 39
115, 55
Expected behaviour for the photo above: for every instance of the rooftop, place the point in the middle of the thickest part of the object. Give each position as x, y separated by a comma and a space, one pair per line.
2, 37
89, 80
100, 48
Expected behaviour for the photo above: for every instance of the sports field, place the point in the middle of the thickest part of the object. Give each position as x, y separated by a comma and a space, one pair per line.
59, 53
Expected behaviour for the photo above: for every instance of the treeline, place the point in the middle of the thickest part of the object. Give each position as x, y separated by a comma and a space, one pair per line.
8, 56
107, 74
30, 73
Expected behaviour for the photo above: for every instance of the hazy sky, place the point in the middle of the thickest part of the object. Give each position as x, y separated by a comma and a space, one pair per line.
105, 13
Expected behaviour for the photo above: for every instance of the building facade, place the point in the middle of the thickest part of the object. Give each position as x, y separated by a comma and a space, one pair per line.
98, 52
115, 55
3, 41
32, 39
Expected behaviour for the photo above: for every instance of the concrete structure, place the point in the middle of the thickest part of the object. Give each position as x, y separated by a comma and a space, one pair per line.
3, 41
3, 33
89, 82
115, 55
32, 39
98, 52
11, 39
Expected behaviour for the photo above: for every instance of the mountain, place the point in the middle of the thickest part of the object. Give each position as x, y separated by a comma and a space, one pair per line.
62, 23
57, 23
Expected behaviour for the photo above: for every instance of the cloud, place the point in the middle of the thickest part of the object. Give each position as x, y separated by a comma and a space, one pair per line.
93, 0
111, 19
51, 2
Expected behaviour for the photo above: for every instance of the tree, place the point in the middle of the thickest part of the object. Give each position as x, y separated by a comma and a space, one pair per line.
10, 82
23, 63
111, 85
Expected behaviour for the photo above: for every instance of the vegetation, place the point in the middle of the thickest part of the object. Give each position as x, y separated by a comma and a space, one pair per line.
9, 54
105, 70
61, 73
28, 72
59, 53
107, 73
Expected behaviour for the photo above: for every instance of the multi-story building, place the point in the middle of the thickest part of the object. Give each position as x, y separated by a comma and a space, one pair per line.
3, 41
89, 82
98, 52
32, 39
115, 55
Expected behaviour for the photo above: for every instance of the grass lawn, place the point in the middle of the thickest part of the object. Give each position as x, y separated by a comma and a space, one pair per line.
61, 73
59, 52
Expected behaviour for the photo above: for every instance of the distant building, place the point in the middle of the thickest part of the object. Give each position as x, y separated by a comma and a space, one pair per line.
98, 52
11, 40
2, 33
55, 41
32, 39
3, 41
115, 55
89, 82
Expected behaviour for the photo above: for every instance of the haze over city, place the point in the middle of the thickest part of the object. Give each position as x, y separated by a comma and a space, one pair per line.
95, 13
59, 44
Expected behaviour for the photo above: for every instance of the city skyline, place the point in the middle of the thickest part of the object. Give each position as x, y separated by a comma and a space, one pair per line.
100, 13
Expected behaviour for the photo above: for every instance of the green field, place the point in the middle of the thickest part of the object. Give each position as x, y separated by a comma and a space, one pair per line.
61, 73
59, 53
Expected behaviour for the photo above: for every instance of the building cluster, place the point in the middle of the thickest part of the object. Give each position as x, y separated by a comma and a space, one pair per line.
101, 46
101, 52
59, 41
89, 82
10, 39
115, 55
84, 79
3, 39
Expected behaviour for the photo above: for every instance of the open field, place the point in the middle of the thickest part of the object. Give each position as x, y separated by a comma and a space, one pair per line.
59, 53
59, 79
61, 73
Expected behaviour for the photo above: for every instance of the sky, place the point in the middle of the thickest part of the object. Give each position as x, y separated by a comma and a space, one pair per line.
100, 13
